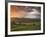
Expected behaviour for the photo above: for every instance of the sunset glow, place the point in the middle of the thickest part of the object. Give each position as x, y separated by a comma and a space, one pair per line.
24, 12
17, 13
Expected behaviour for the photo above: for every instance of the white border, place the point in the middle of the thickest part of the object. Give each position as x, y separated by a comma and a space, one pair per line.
25, 32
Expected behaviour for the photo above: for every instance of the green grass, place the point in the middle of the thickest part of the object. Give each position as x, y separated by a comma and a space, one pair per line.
25, 26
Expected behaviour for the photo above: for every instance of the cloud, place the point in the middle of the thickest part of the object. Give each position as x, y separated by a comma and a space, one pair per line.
33, 14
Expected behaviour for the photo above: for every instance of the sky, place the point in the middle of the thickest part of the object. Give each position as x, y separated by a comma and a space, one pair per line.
25, 11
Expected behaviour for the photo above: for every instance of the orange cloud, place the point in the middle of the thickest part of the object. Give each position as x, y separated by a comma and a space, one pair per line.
16, 12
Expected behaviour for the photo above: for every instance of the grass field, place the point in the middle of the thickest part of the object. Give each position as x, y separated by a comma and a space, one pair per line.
25, 26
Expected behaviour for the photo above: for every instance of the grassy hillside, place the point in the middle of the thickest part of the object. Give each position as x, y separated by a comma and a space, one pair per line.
25, 24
